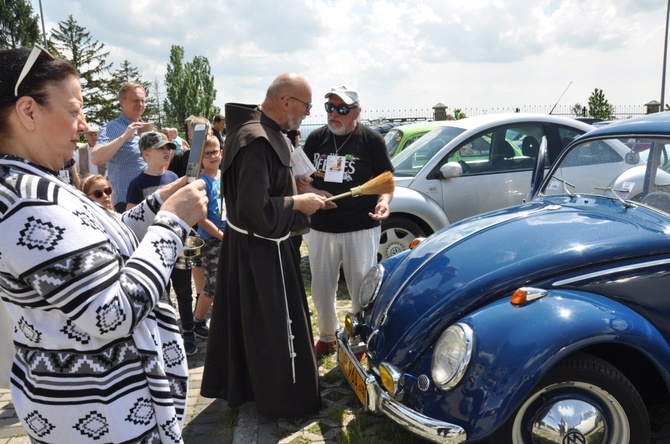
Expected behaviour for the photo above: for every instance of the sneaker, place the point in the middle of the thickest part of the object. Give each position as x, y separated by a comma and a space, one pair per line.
200, 329
189, 343
325, 348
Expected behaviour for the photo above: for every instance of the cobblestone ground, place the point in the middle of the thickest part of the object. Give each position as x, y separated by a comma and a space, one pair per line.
340, 421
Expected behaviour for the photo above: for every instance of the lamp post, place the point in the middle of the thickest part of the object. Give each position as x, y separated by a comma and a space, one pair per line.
665, 57
44, 34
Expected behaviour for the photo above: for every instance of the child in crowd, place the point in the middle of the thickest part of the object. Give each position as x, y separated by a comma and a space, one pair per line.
157, 151
211, 230
98, 189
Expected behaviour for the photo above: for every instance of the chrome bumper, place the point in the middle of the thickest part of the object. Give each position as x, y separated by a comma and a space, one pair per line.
379, 401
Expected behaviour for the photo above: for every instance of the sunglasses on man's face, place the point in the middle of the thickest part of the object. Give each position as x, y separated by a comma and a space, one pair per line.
98, 193
342, 110
30, 61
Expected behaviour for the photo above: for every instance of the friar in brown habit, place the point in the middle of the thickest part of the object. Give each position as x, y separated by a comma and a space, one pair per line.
260, 345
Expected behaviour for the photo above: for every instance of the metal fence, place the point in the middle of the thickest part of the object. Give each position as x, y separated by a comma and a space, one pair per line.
379, 116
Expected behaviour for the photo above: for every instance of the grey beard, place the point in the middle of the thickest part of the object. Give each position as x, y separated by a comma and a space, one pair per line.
338, 132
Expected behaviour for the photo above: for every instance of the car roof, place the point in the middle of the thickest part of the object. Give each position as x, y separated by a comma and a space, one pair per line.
505, 118
650, 124
420, 126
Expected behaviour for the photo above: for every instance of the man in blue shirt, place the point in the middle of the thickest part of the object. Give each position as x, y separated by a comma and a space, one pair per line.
118, 143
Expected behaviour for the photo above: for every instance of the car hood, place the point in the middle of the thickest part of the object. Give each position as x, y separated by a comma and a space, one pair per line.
487, 257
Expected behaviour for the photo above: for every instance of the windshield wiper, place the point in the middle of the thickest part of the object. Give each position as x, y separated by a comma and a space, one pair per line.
565, 186
616, 194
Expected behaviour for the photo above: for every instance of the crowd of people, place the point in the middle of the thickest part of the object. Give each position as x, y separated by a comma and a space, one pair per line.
92, 237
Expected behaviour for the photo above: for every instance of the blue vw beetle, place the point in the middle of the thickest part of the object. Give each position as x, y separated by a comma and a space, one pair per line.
546, 322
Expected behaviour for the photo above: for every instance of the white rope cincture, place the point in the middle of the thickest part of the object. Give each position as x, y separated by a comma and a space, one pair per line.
289, 330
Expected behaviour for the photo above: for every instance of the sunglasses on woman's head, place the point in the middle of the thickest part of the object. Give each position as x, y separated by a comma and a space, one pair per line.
98, 193
342, 110
30, 61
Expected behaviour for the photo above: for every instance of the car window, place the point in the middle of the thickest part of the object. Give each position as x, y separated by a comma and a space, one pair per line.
504, 149
392, 139
411, 159
412, 139
596, 165
567, 135
594, 153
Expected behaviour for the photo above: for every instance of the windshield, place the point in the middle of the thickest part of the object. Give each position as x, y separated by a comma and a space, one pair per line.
630, 167
412, 159
392, 139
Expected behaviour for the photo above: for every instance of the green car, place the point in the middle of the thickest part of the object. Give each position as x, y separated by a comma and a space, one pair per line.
400, 137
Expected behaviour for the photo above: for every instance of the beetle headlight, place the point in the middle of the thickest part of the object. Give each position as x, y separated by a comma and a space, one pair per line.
451, 356
371, 284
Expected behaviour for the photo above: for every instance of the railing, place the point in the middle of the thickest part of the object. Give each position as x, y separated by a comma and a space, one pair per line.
377, 117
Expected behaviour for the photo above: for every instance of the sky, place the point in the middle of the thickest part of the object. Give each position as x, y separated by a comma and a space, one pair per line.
398, 54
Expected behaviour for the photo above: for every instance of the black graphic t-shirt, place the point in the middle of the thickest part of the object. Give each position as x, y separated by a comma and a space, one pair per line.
365, 157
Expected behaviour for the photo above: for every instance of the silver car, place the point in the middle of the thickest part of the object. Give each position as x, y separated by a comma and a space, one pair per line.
468, 167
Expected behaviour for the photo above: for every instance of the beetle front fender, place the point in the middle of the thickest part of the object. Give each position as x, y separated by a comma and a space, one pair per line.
408, 201
514, 347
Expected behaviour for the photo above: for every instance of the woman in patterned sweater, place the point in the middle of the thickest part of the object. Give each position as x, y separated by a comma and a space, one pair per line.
98, 357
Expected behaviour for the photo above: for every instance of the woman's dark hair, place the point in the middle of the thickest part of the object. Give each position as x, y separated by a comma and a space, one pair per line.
45, 71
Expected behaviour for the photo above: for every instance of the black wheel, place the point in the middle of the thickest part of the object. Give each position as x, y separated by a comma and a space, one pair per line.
583, 399
397, 233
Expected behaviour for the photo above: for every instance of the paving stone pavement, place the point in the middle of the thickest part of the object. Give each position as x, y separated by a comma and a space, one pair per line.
211, 421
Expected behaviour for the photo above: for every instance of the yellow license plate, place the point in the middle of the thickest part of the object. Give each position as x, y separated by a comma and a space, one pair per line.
352, 375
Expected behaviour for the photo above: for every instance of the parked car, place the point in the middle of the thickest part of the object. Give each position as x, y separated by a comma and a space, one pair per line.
541, 322
400, 137
467, 167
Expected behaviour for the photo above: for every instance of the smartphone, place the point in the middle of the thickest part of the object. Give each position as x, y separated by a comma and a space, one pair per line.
195, 156
146, 128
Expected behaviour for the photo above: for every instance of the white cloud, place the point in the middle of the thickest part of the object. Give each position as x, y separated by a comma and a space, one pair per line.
400, 54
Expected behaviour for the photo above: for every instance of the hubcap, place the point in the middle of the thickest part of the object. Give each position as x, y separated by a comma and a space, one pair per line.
589, 415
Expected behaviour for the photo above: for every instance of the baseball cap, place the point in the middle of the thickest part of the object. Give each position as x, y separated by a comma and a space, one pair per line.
348, 95
154, 139
93, 129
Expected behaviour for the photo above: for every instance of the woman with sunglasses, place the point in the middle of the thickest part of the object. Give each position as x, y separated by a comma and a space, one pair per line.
98, 189
98, 355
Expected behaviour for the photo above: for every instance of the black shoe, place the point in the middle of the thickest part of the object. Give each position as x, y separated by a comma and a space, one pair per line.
189, 343
200, 329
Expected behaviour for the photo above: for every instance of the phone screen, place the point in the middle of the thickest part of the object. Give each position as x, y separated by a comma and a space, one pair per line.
195, 156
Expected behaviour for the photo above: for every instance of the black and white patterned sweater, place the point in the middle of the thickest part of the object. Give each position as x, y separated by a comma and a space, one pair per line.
98, 357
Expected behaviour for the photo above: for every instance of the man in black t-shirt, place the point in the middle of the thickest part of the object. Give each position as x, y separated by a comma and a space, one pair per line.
345, 155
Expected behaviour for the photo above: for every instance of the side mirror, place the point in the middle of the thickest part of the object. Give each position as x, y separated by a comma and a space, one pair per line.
451, 169
632, 158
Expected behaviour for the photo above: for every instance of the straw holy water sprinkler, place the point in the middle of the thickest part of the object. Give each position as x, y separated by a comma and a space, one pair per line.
382, 184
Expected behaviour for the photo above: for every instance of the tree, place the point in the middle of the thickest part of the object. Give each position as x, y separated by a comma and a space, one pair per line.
177, 104
202, 83
74, 43
18, 24
189, 88
599, 107
459, 114
160, 112
578, 110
